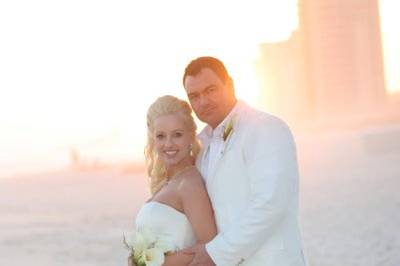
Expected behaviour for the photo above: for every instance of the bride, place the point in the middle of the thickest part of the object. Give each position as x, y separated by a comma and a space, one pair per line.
179, 210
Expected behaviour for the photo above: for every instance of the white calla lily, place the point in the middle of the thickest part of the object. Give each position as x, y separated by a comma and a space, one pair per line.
153, 257
147, 249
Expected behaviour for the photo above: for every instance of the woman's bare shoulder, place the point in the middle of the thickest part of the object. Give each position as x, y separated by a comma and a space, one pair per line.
192, 180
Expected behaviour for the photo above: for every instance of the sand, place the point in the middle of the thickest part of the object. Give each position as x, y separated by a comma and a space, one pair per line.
349, 202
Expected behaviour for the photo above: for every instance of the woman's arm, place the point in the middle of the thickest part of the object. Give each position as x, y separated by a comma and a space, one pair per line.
197, 207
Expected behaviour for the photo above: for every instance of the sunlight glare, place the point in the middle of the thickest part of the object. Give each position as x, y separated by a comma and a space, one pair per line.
390, 21
82, 73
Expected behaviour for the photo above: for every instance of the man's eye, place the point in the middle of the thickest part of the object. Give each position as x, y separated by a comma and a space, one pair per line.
211, 89
193, 97
178, 134
159, 136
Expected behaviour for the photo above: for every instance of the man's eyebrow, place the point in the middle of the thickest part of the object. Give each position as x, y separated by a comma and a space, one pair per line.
209, 86
203, 89
192, 93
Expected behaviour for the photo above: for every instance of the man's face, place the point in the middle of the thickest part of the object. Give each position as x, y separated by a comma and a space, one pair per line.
210, 98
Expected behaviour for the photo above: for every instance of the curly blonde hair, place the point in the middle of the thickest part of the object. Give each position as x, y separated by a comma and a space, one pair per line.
164, 105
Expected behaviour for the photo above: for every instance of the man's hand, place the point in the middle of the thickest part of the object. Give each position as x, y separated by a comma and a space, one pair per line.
130, 261
201, 257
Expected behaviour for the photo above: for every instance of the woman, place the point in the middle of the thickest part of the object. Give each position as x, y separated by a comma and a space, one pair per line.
179, 210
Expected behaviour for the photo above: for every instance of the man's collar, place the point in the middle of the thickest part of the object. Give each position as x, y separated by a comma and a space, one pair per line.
208, 132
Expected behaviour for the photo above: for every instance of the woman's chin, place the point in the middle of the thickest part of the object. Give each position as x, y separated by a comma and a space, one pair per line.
175, 163
171, 163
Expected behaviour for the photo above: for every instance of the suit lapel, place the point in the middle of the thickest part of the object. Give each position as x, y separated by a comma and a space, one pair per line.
220, 156
226, 146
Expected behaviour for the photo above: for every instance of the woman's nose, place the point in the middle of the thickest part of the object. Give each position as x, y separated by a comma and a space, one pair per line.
169, 142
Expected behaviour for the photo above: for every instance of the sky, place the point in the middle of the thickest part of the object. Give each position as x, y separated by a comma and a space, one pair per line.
80, 74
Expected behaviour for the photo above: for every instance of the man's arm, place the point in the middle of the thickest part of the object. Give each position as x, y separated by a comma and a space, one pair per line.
177, 259
273, 177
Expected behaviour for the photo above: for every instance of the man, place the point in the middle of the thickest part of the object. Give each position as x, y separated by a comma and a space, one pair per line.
250, 169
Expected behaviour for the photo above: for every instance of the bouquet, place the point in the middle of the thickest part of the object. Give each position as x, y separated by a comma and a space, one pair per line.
146, 249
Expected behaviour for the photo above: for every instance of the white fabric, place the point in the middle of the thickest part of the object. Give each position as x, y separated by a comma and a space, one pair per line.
167, 223
213, 139
253, 188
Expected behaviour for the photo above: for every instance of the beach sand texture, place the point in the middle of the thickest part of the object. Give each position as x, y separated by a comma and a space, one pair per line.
349, 206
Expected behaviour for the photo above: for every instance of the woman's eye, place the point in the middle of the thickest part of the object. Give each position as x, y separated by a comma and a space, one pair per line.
159, 136
178, 134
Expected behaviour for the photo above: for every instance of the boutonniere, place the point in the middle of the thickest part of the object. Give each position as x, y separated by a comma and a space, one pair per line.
228, 130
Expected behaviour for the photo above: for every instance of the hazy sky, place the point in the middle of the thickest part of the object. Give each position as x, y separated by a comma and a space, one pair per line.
82, 73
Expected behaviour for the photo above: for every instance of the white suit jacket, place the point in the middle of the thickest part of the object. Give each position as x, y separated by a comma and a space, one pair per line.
254, 192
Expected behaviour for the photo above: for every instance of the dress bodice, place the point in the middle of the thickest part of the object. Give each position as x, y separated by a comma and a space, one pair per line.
167, 223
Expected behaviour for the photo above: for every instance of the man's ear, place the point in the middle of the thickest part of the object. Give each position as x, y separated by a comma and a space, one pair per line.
229, 82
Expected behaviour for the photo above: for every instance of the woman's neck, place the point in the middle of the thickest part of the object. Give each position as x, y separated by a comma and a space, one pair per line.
175, 170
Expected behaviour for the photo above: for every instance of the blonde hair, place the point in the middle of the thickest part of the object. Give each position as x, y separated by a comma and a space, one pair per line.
164, 105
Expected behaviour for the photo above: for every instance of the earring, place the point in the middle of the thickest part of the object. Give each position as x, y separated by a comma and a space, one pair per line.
191, 149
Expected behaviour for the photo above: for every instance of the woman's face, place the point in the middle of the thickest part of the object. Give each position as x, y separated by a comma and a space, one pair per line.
172, 140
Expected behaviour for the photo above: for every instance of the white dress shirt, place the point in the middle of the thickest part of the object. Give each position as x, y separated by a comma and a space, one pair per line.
213, 143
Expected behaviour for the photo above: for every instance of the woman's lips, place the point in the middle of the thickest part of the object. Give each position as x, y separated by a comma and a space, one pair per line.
171, 153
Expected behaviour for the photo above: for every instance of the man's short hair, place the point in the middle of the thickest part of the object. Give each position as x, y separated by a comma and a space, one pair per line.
196, 65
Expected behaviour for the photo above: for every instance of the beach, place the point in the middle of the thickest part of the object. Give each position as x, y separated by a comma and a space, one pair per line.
350, 201
349, 206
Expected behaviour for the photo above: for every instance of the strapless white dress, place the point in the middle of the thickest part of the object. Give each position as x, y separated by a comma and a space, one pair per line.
167, 223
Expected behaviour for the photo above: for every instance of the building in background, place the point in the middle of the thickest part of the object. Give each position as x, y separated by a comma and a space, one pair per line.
331, 69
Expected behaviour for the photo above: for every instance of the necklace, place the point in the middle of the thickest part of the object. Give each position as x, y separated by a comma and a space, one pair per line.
165, 183
181, 171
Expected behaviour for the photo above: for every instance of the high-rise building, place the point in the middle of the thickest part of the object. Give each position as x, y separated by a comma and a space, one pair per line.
331, 67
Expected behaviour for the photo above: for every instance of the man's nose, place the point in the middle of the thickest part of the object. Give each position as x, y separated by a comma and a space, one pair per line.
203, 100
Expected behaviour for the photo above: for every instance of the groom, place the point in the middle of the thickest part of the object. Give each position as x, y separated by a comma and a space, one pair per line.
250, 169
